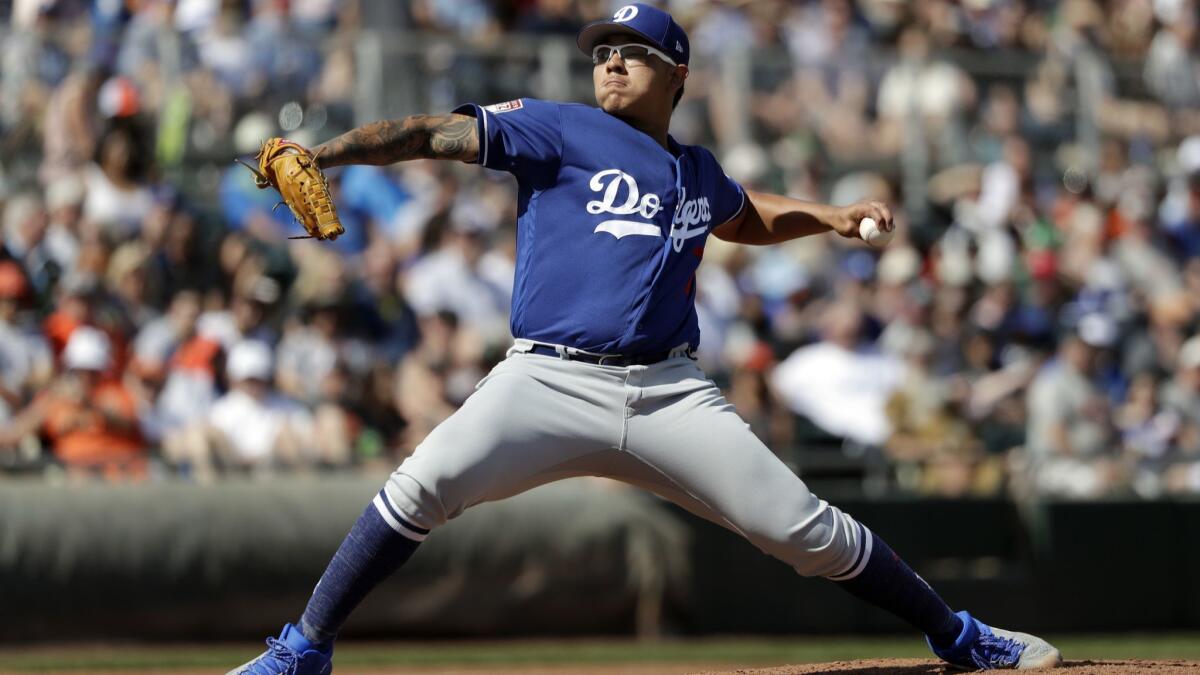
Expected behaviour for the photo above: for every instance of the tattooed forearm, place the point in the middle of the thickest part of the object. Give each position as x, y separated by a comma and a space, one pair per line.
450, 136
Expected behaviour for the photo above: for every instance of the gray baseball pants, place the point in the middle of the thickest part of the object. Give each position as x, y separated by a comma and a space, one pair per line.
664, 427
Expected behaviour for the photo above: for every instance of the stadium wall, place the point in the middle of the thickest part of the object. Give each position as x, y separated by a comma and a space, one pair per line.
177, 561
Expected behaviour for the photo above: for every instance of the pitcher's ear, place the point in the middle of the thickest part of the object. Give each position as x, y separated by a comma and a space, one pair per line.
681, 71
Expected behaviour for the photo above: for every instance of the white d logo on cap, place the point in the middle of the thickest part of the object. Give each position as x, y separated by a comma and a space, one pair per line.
625, 14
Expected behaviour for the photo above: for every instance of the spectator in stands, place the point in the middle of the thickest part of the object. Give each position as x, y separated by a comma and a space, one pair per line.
245, 317
838, 383
225, 50
1181, 395
1047, 204
372, 410
718, 302
25, 362
25, 224
73, 122
73, 308
464, 276
931, 443
191, 382
1070, 439
308, 351
118, 196
1184, 478
126, 280
176, 258
420, 386
1148, 433
749, 390
1172, 70
992, 25
32, 63
831, 86
1181, 215
250, 428
922, 97
151, 52
88, 416
287, 70
337, 432
161, 338
64, 204
391, 323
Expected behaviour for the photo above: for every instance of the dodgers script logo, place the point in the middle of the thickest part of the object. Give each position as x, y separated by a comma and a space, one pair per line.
687, 214
621, 197
611, 181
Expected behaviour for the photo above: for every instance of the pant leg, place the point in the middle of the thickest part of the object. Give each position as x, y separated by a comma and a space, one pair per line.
696, 450
528, 421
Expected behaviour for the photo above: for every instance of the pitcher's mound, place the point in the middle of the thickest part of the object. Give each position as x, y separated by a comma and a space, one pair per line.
929, 667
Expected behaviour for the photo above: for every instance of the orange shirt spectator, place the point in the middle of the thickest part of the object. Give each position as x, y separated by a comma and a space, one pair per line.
90, 421
96, 429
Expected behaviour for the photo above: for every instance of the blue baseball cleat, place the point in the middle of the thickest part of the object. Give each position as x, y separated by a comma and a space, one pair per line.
981, 647
289, 654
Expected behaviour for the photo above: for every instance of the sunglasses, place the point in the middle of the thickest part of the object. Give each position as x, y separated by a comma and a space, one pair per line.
631, 54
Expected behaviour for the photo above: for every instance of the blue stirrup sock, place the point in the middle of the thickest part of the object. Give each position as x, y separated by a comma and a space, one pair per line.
374, 549
371, 552
881, 578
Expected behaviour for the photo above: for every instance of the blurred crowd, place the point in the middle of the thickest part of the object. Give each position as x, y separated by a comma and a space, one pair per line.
1033, 329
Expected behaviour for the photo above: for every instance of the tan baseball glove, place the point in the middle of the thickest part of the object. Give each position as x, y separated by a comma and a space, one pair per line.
292, 169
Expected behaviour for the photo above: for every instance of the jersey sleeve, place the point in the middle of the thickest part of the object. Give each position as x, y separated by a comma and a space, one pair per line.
523, 137
729, 198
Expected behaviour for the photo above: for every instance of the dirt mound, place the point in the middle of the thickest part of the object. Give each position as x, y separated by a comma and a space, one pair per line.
863, 667
928, 667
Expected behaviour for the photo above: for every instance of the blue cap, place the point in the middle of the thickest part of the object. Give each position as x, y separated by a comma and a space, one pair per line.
651, 24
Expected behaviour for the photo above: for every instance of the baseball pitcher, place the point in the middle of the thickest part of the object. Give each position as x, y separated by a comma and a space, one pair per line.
613, 217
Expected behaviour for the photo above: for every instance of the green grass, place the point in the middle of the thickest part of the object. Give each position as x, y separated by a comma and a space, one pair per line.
749, 651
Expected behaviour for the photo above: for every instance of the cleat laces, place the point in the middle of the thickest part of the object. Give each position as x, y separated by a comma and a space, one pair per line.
279, 660
992, 651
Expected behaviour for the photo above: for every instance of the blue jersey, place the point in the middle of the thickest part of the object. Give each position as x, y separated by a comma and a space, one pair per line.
611, 226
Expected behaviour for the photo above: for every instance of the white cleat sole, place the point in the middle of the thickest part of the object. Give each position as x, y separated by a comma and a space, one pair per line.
1038, 653
242, 667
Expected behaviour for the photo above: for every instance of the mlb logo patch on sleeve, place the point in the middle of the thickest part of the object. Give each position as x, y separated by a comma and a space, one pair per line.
507, 106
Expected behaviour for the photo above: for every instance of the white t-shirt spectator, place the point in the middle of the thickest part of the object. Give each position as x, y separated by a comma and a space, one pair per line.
120, 210
253, 426
156, 341
842, 391
933, 89
1172, 71
480, 296
186, 397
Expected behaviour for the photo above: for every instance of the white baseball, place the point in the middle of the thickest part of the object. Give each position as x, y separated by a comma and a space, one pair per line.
869, 230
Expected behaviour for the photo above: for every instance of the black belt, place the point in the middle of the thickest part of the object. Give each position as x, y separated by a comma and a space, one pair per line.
604, 359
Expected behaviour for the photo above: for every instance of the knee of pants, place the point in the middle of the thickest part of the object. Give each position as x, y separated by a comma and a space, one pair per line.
416, 509
825, 545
